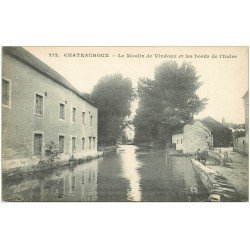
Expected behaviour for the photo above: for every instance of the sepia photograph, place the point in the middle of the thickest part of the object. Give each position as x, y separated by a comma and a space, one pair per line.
125, 124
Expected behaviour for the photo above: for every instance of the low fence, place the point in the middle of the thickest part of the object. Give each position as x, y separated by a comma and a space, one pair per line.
222, 158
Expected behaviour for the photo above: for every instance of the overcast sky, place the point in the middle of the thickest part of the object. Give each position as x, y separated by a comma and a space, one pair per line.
225, 79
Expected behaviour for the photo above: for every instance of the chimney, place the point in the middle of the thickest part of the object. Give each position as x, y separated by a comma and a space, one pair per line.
223, 121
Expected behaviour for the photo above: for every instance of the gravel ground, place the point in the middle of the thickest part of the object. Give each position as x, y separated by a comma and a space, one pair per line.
236, 172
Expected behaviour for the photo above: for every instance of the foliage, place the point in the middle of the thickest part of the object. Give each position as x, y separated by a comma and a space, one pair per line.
52, 154
239, 130
167, 101
112, 95
13, 197
239, 133
236, 127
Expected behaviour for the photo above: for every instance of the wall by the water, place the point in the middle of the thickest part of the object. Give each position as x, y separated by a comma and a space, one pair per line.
218, 186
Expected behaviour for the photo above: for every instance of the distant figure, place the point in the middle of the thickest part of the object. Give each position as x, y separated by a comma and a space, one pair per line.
201, 156
198, 154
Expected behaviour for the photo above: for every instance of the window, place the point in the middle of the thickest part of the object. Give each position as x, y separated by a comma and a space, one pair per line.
83, 143
38, 144
62, 111
61, 144
83, 118
39, 105
73, 144
90, 142
74, 115
94, 143
6, 92
91, 120
181, 141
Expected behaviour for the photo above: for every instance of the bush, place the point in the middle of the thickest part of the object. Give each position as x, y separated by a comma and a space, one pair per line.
52, 155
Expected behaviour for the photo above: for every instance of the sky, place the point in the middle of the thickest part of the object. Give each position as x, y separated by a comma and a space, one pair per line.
223, 71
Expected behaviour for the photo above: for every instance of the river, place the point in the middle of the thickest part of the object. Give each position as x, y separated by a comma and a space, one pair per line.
129, 174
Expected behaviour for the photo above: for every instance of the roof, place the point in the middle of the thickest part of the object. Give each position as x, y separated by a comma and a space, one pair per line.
27, 58
209, 122
178, 131
213, 124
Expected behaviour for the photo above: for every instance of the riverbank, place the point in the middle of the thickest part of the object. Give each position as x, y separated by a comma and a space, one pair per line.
218, 187
127, 174
46, 163
236, 172
107, 149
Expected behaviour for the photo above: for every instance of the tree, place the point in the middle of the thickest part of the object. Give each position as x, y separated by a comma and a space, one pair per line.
167, 102
112, 95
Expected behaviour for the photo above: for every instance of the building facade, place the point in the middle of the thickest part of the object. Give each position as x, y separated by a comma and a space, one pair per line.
246, 106
177, 139
222, 135
241, 143
40, 107
203, 134
197, 136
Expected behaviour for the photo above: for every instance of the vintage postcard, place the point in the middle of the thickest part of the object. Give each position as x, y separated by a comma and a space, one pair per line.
119, 124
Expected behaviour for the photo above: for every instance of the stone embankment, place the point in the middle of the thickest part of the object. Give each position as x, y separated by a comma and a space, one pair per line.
218, 186
46, 164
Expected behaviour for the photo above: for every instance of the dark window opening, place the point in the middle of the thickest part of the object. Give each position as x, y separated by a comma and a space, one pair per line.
62, 111
39, 105
5, 92
38, 143
61, 144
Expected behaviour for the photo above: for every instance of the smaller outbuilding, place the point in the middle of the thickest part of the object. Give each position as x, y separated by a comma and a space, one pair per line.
177, 139
240, 144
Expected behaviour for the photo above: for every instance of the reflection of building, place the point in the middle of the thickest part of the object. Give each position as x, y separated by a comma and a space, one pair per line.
69, 184
39, 106
241, 142
89, 183
201, 134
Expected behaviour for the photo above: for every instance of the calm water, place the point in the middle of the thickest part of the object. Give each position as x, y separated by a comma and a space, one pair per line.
129, 174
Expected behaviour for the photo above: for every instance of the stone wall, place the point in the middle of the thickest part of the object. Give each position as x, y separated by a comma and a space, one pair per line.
31, 162
196, 136
218, 187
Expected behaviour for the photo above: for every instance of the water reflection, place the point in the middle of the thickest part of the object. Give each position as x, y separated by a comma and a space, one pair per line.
184, 179
73, 184
89, 183
130, 169
130, 174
